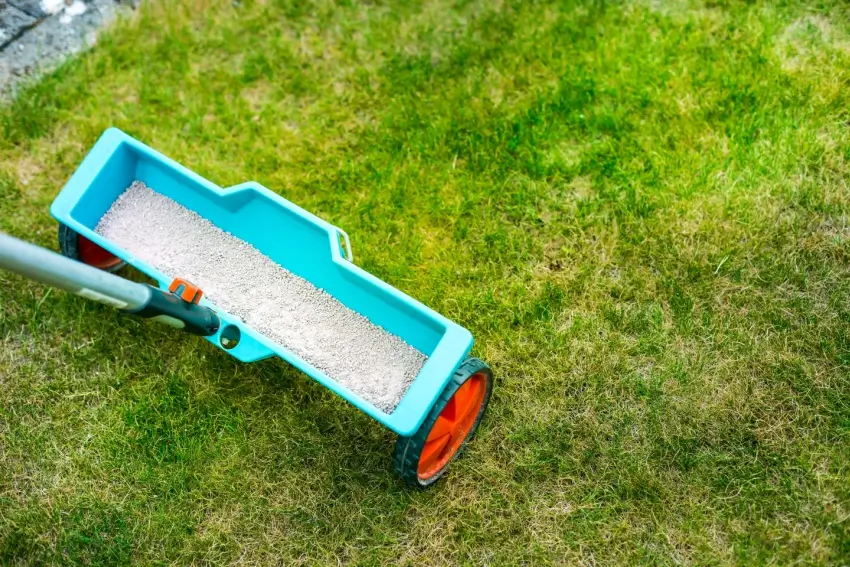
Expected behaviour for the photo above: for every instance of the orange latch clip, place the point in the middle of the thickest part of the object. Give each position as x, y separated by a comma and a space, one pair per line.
185, 290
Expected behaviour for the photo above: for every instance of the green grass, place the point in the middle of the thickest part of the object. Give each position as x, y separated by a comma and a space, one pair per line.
640, 210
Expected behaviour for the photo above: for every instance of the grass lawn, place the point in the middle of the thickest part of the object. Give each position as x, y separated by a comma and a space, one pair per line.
639, 209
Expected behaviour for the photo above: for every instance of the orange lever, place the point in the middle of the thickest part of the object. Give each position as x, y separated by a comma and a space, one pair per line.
186, 290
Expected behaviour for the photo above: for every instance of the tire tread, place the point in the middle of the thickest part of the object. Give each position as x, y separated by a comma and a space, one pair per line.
408, 449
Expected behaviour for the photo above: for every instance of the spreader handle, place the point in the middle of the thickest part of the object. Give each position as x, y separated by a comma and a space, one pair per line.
173, 310
55, 270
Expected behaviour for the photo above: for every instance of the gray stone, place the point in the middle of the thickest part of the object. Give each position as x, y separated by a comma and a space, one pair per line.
46, 45
31, 7
13, 22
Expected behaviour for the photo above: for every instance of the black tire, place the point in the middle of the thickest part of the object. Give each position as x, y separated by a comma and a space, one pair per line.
69, 246
408, 450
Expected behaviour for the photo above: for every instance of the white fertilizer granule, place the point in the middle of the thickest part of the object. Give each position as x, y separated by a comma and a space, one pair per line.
287, 309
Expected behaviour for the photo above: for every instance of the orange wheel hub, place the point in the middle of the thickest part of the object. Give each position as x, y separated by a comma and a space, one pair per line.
452, 426
93, 255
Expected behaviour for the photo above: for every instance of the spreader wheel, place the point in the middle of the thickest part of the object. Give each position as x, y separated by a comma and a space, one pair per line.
77, 247
424, 457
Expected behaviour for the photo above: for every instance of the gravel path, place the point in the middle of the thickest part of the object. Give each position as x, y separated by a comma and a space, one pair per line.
288, 309
38, 35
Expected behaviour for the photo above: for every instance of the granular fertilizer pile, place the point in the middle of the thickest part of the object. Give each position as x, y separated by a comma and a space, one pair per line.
286, 308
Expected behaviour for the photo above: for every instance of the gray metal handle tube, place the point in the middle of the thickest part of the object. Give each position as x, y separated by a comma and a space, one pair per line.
55, 270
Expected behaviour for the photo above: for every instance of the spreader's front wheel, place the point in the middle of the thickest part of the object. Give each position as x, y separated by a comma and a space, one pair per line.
77, 247
425, 456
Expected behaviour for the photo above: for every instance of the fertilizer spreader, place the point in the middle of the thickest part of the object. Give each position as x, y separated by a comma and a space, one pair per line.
213, 251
